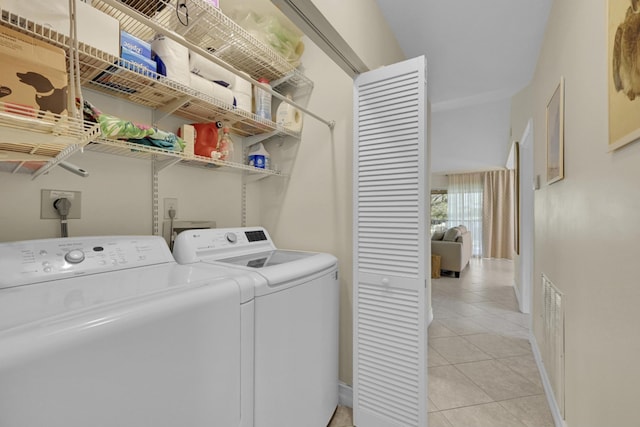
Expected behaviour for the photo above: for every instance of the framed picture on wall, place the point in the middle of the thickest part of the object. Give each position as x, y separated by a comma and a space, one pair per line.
555, 135
623, 72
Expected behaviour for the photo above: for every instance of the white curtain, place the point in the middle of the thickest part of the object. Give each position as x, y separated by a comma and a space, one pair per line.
465, 203
484, 203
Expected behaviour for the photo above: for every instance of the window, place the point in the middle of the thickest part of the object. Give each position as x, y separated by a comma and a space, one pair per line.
438, 210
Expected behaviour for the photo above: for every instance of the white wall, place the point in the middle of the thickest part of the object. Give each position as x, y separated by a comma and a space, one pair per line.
470, 138
586, 238
361, 24
439, 181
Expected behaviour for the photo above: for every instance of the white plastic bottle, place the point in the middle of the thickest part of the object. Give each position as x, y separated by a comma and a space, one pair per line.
263, 100
259, 158
288, 116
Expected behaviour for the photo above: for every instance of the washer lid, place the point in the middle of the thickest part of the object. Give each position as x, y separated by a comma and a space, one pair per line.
281, 269
267, 259
48, 301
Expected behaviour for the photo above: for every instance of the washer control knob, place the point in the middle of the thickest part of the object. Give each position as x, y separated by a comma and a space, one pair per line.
231, 237
75, 256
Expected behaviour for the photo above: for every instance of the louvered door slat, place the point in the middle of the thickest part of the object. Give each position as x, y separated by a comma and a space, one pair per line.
390, 246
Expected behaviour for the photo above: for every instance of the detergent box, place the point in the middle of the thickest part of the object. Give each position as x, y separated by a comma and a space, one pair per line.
33, 76
133, 44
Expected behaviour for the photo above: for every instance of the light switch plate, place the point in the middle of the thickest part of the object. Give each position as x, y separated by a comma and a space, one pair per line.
47, 197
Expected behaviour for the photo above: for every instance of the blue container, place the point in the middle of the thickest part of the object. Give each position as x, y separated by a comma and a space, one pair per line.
135, 45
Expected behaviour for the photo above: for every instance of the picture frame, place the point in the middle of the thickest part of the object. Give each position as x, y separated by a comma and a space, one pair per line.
623, 93
555, 135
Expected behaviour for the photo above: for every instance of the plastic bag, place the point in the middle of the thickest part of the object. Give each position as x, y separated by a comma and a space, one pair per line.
271, 32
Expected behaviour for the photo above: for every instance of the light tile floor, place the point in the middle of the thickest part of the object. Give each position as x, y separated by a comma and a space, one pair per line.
481, 368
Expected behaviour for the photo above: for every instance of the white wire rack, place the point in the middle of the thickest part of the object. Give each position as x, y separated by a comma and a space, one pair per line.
205, 26
169, 157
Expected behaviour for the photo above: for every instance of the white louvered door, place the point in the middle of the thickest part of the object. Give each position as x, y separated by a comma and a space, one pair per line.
391, 252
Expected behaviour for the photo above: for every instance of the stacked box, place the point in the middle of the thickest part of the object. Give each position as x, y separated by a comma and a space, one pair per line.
33, 75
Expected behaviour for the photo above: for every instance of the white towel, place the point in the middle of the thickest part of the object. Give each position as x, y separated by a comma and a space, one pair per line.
209, 70
175, 58
212, 89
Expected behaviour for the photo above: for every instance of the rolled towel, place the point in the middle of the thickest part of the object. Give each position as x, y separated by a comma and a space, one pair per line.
209, 70
174, 57
212, 89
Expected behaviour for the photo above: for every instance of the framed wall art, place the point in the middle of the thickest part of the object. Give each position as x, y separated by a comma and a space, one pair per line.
623, 72
555, 135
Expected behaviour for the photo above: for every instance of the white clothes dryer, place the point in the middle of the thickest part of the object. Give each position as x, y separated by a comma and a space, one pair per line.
111, 331
296, 321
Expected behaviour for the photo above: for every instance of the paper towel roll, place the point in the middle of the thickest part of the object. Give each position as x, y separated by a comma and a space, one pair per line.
241, 85
175, 58
209, 70
212, 89
243, 101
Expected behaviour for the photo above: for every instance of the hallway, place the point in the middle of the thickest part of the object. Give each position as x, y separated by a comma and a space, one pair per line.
481, 368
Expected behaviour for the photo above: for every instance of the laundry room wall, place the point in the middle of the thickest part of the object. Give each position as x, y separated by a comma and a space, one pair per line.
313, 209
116, 196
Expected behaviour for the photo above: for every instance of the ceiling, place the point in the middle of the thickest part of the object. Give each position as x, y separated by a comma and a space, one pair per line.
477, 51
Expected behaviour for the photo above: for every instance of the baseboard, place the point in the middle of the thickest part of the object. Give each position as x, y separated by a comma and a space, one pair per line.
518, 296
553, 405
345, 395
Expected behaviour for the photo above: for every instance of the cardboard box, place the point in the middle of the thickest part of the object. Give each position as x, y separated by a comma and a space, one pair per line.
135, 45
95, 28
188, 135
33, 75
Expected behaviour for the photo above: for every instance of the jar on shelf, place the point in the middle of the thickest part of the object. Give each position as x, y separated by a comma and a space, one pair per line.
263, 100
225, 145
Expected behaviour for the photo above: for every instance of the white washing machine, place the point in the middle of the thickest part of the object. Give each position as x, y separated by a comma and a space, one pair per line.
296, 321
111, 331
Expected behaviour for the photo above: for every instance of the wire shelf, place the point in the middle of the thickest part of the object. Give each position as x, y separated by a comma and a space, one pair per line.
34, 142
31, 139
123, 79
128, 149
205, 26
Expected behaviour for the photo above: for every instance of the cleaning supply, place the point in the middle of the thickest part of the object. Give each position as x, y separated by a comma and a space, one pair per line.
259, 158
206, 140
225, 145
263, 100
288, 116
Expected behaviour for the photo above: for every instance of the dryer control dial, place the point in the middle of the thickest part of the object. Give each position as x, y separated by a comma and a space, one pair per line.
75, 256
231, 237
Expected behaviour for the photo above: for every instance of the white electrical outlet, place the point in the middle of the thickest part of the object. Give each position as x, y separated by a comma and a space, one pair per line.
170, 203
